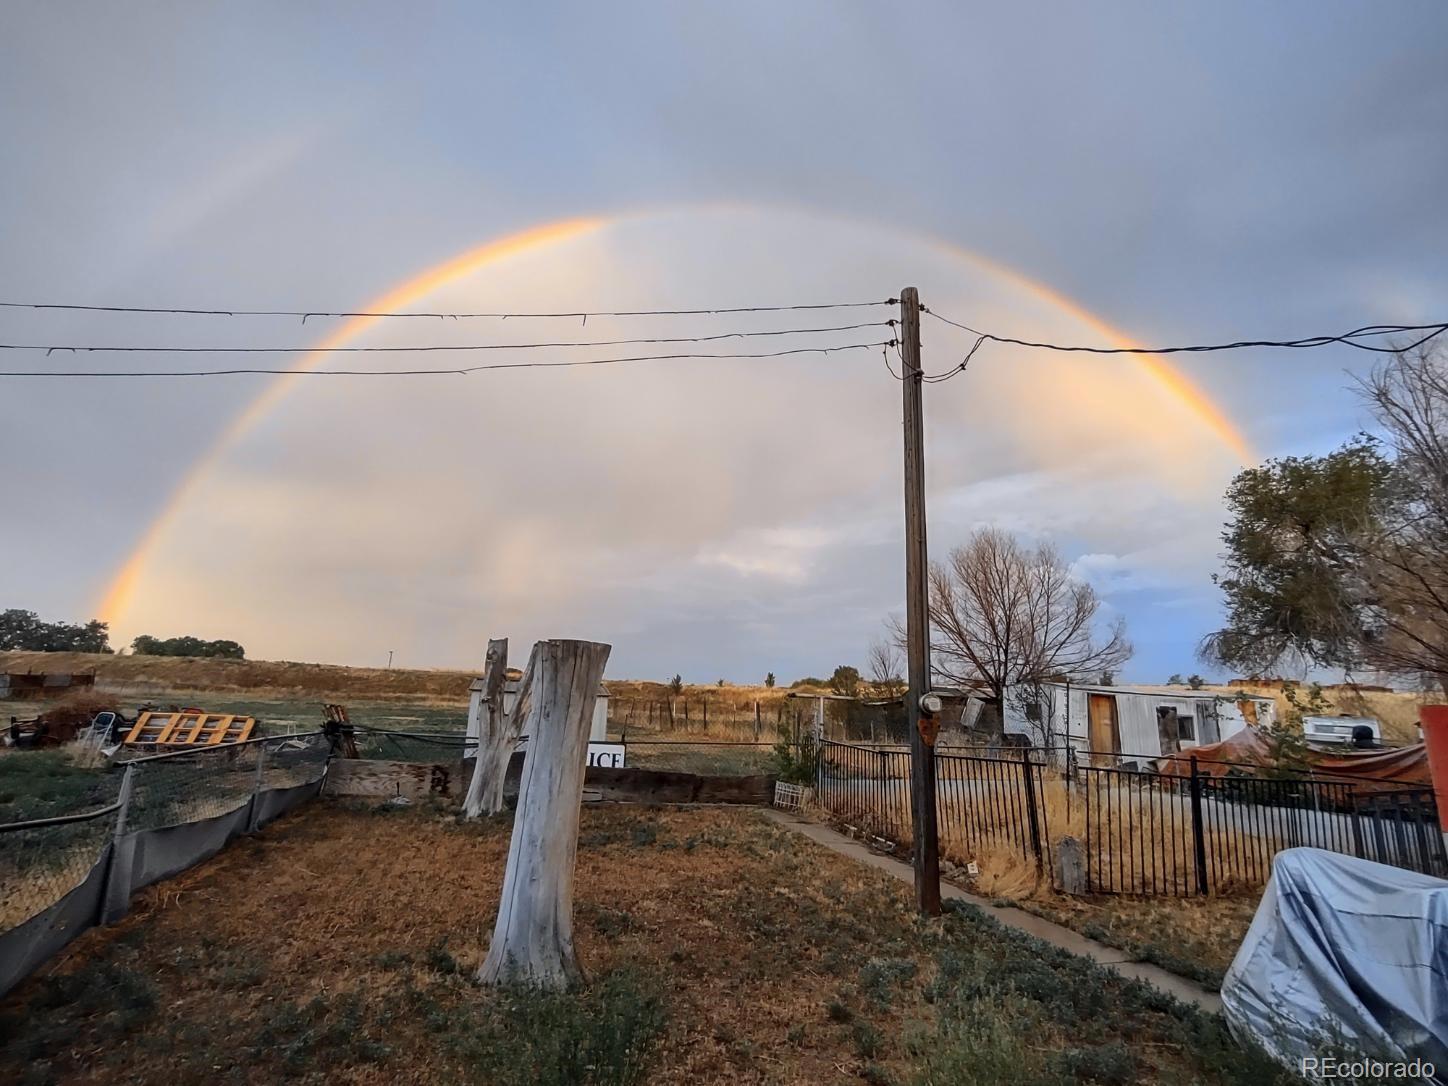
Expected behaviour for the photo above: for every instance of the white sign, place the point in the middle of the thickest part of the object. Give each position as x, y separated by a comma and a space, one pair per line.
603, 755
606, 755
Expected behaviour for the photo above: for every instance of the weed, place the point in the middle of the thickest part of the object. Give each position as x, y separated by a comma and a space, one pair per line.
602, 1036
392, 959
105, 1000
645, 833
1111, 1064
881, 976
239, 976
321, 1036
838, 1012
867, 1040
439, 960
613, 922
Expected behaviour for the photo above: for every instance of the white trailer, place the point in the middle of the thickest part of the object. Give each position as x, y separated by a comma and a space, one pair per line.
1150, 721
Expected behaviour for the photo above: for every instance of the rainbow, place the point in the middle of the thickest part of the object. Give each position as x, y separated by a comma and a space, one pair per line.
122, 586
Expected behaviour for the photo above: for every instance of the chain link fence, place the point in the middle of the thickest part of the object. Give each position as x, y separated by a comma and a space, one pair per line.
43, 860
64, 872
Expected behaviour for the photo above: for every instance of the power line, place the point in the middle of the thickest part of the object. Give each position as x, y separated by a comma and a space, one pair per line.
440, 347
1351, 339
306, 314
461, 371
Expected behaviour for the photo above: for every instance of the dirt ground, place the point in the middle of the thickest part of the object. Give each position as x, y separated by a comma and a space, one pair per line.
340, 946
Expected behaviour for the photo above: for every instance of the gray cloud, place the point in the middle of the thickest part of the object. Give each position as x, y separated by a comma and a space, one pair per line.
1182, 172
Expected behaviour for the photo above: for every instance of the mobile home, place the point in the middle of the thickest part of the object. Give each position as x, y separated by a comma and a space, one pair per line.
1149, 721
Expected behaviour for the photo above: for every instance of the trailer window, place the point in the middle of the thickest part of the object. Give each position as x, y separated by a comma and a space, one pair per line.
1186, 727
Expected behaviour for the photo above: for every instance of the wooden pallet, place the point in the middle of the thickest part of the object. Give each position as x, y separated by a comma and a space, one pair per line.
189, 728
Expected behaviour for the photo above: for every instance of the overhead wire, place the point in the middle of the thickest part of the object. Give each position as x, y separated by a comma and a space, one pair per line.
306, 314
456, 371
1350, 339
98, 349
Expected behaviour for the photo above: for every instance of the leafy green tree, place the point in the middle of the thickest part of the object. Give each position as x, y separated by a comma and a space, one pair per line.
1342, 560
24, 630
676, 685
1176, 680
1286, 736
146, 645
845, 681
1196, 682
769, 680
1293, 565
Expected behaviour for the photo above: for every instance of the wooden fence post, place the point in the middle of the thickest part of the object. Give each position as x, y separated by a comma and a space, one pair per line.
533, 938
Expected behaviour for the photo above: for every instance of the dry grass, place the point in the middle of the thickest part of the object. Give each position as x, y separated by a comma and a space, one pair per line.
339, 947
140, 676
1196, 937
1193, 936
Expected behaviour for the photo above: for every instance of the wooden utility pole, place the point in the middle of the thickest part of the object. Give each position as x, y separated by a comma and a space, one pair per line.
917, 618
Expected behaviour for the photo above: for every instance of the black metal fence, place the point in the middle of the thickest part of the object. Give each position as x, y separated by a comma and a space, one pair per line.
1159, 833
1138, 831
984, 802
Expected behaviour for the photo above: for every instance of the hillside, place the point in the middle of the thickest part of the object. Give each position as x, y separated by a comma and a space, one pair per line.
166, 676
140, 676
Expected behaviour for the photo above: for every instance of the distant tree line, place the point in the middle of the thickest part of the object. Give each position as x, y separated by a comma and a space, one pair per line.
26, 632
146, 645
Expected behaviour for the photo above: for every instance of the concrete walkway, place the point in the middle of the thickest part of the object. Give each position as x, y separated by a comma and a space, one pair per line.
1043, 929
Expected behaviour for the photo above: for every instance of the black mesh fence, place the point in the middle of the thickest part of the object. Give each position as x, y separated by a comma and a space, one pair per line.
42, 861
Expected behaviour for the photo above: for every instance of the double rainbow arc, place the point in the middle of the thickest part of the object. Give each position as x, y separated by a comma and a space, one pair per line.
122, 587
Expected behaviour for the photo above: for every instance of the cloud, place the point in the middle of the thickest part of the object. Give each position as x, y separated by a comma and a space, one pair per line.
1179, 177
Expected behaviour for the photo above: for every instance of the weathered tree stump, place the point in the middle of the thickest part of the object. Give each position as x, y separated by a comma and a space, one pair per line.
498, 732
533, 937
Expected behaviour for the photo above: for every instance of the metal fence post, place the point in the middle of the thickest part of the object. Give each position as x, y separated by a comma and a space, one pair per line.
253, 812
1031, 808
1199, 832
116, 893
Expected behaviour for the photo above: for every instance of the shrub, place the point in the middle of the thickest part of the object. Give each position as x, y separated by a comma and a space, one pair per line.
796, 763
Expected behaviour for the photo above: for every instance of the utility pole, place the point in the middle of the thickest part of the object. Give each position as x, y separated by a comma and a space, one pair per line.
917, 618
389, 657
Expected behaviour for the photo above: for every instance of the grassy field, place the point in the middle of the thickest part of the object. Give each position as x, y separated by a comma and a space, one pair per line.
140, 677
339, 946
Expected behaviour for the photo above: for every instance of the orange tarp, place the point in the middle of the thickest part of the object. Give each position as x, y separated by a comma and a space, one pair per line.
1250, 750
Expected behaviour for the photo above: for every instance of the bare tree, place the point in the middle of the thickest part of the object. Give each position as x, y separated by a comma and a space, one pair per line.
1007, 616
886, 666
1404, 562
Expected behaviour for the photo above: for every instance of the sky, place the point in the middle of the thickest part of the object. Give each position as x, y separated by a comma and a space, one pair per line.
1099, 174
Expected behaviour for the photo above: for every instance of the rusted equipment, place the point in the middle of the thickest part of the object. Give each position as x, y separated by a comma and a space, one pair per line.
31, 686
338, 728
40, 732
